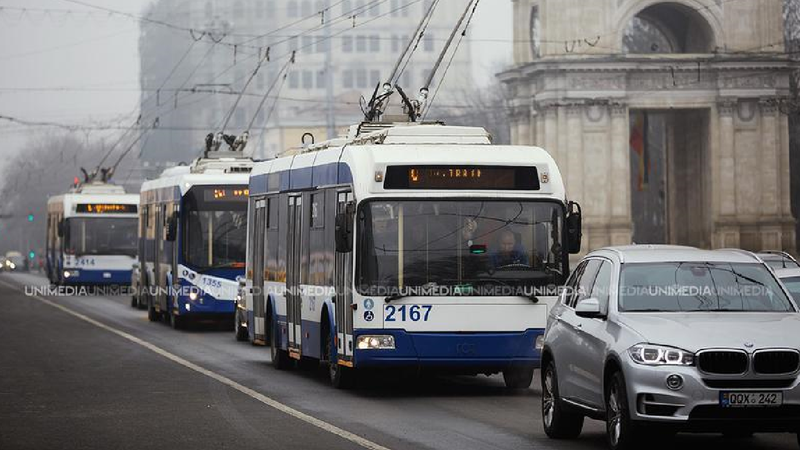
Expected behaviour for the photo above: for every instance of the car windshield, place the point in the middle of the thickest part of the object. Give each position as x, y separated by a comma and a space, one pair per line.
102, 236
690, 286
459, 247
793, 284
215, 227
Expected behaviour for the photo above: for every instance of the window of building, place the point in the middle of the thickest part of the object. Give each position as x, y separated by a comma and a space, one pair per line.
361, 44
395, 43
294, 80
347, 44
322, 79
308, 79
375, 10
307, 42
347, 7
292, 9
395, 5
427, 43
209, 10
536, 32
269, 7
374, 77
361, 78
347, 79
238, 9
307, 9
375, 43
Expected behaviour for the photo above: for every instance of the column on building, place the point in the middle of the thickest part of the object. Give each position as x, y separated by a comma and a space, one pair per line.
620, 226
726, 231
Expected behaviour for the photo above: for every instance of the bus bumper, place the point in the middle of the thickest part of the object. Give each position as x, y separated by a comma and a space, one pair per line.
204, 304
95, 277
460, 352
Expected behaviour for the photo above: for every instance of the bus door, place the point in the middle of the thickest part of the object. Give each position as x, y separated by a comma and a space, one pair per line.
343, 274
259, 304
293, 297
158, 250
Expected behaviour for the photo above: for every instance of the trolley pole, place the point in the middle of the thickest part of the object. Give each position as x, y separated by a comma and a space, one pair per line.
329, 98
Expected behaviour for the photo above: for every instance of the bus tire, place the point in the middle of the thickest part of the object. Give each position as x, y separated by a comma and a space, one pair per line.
518, 377
134, 302
341, 377
152, 314
241, 332
177, 322
280, 358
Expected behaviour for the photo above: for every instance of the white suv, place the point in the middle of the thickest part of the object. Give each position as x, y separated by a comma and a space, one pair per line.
660, 339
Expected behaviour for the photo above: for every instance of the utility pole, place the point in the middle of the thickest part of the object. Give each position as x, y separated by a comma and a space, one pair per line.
329, 99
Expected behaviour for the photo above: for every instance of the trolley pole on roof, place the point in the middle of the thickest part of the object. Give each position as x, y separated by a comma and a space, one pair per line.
330, 117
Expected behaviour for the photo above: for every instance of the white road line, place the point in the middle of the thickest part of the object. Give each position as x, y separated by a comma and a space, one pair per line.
330, 428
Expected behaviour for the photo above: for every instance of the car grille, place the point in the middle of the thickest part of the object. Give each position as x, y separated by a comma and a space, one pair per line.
772, 362
749, 384
722, 362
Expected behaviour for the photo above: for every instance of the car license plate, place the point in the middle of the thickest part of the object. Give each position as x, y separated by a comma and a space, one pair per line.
750, 399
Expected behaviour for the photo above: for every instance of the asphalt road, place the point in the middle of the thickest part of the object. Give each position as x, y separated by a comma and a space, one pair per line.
91, 372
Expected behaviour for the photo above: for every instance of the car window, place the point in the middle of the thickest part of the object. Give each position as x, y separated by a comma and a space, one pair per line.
793, 284
569, 292
690, 286
583, 287
602, 286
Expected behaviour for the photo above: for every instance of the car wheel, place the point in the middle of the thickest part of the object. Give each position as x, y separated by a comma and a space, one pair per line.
241, 332
152, 314
621, 430
518, 377
558, 424
280, 358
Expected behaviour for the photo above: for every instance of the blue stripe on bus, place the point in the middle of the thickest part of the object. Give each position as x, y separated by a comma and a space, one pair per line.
303, 178
487, 351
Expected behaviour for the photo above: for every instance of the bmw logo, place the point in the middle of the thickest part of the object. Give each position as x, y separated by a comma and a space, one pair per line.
749, 344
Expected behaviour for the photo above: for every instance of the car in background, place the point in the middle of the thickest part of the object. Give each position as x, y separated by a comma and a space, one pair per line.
778, 260
791, 279
655, 340
14, 261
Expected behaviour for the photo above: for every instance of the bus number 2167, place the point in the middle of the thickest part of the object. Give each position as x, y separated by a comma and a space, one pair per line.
403, 313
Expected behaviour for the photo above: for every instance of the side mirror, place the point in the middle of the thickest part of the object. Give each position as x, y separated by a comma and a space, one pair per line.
344, 230
574, 231
588, 308
172, 227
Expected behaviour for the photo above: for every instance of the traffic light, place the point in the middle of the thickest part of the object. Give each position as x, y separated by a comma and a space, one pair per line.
30, 217
31, 254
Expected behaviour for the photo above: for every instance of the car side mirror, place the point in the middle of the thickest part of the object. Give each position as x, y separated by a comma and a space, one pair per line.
574, 228
344, 230
588, 308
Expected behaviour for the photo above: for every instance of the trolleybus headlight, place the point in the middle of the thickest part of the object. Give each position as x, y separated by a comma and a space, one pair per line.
12, 265
193, 294
375, 342
71, 273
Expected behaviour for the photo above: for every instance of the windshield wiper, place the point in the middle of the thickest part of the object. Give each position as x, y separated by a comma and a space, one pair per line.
393, 297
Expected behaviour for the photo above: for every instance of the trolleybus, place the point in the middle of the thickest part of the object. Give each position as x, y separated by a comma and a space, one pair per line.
192, 223
91, 235
413, 246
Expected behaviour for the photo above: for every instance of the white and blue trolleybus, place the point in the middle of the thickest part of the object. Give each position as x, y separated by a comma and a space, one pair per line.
410, 246
192, 223
91, 235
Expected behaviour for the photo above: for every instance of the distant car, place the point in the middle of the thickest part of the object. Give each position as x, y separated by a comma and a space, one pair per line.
14, 261
791, 279
779, 260
655, 340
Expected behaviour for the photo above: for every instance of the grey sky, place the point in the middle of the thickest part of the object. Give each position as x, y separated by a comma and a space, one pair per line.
95, 59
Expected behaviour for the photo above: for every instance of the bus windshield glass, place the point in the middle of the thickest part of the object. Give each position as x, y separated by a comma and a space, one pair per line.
101, 236
215, 230
475, 248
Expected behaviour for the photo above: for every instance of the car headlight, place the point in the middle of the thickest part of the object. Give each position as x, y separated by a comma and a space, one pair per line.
375, 342
13, 266
659, 355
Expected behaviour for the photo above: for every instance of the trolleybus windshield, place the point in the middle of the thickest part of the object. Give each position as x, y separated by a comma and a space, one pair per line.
101, 236
215, 227
460, 247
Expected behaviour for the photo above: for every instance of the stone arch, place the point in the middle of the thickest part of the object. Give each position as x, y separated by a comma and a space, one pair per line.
691, 26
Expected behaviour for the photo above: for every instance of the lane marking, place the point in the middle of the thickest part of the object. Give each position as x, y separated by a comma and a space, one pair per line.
321, 424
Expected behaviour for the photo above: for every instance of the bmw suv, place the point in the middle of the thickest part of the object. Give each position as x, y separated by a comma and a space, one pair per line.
659, 339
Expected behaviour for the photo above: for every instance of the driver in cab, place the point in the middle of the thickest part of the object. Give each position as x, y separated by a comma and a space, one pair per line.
509, 253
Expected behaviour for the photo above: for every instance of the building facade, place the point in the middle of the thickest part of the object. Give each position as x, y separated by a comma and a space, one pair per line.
340, 58
667, 118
